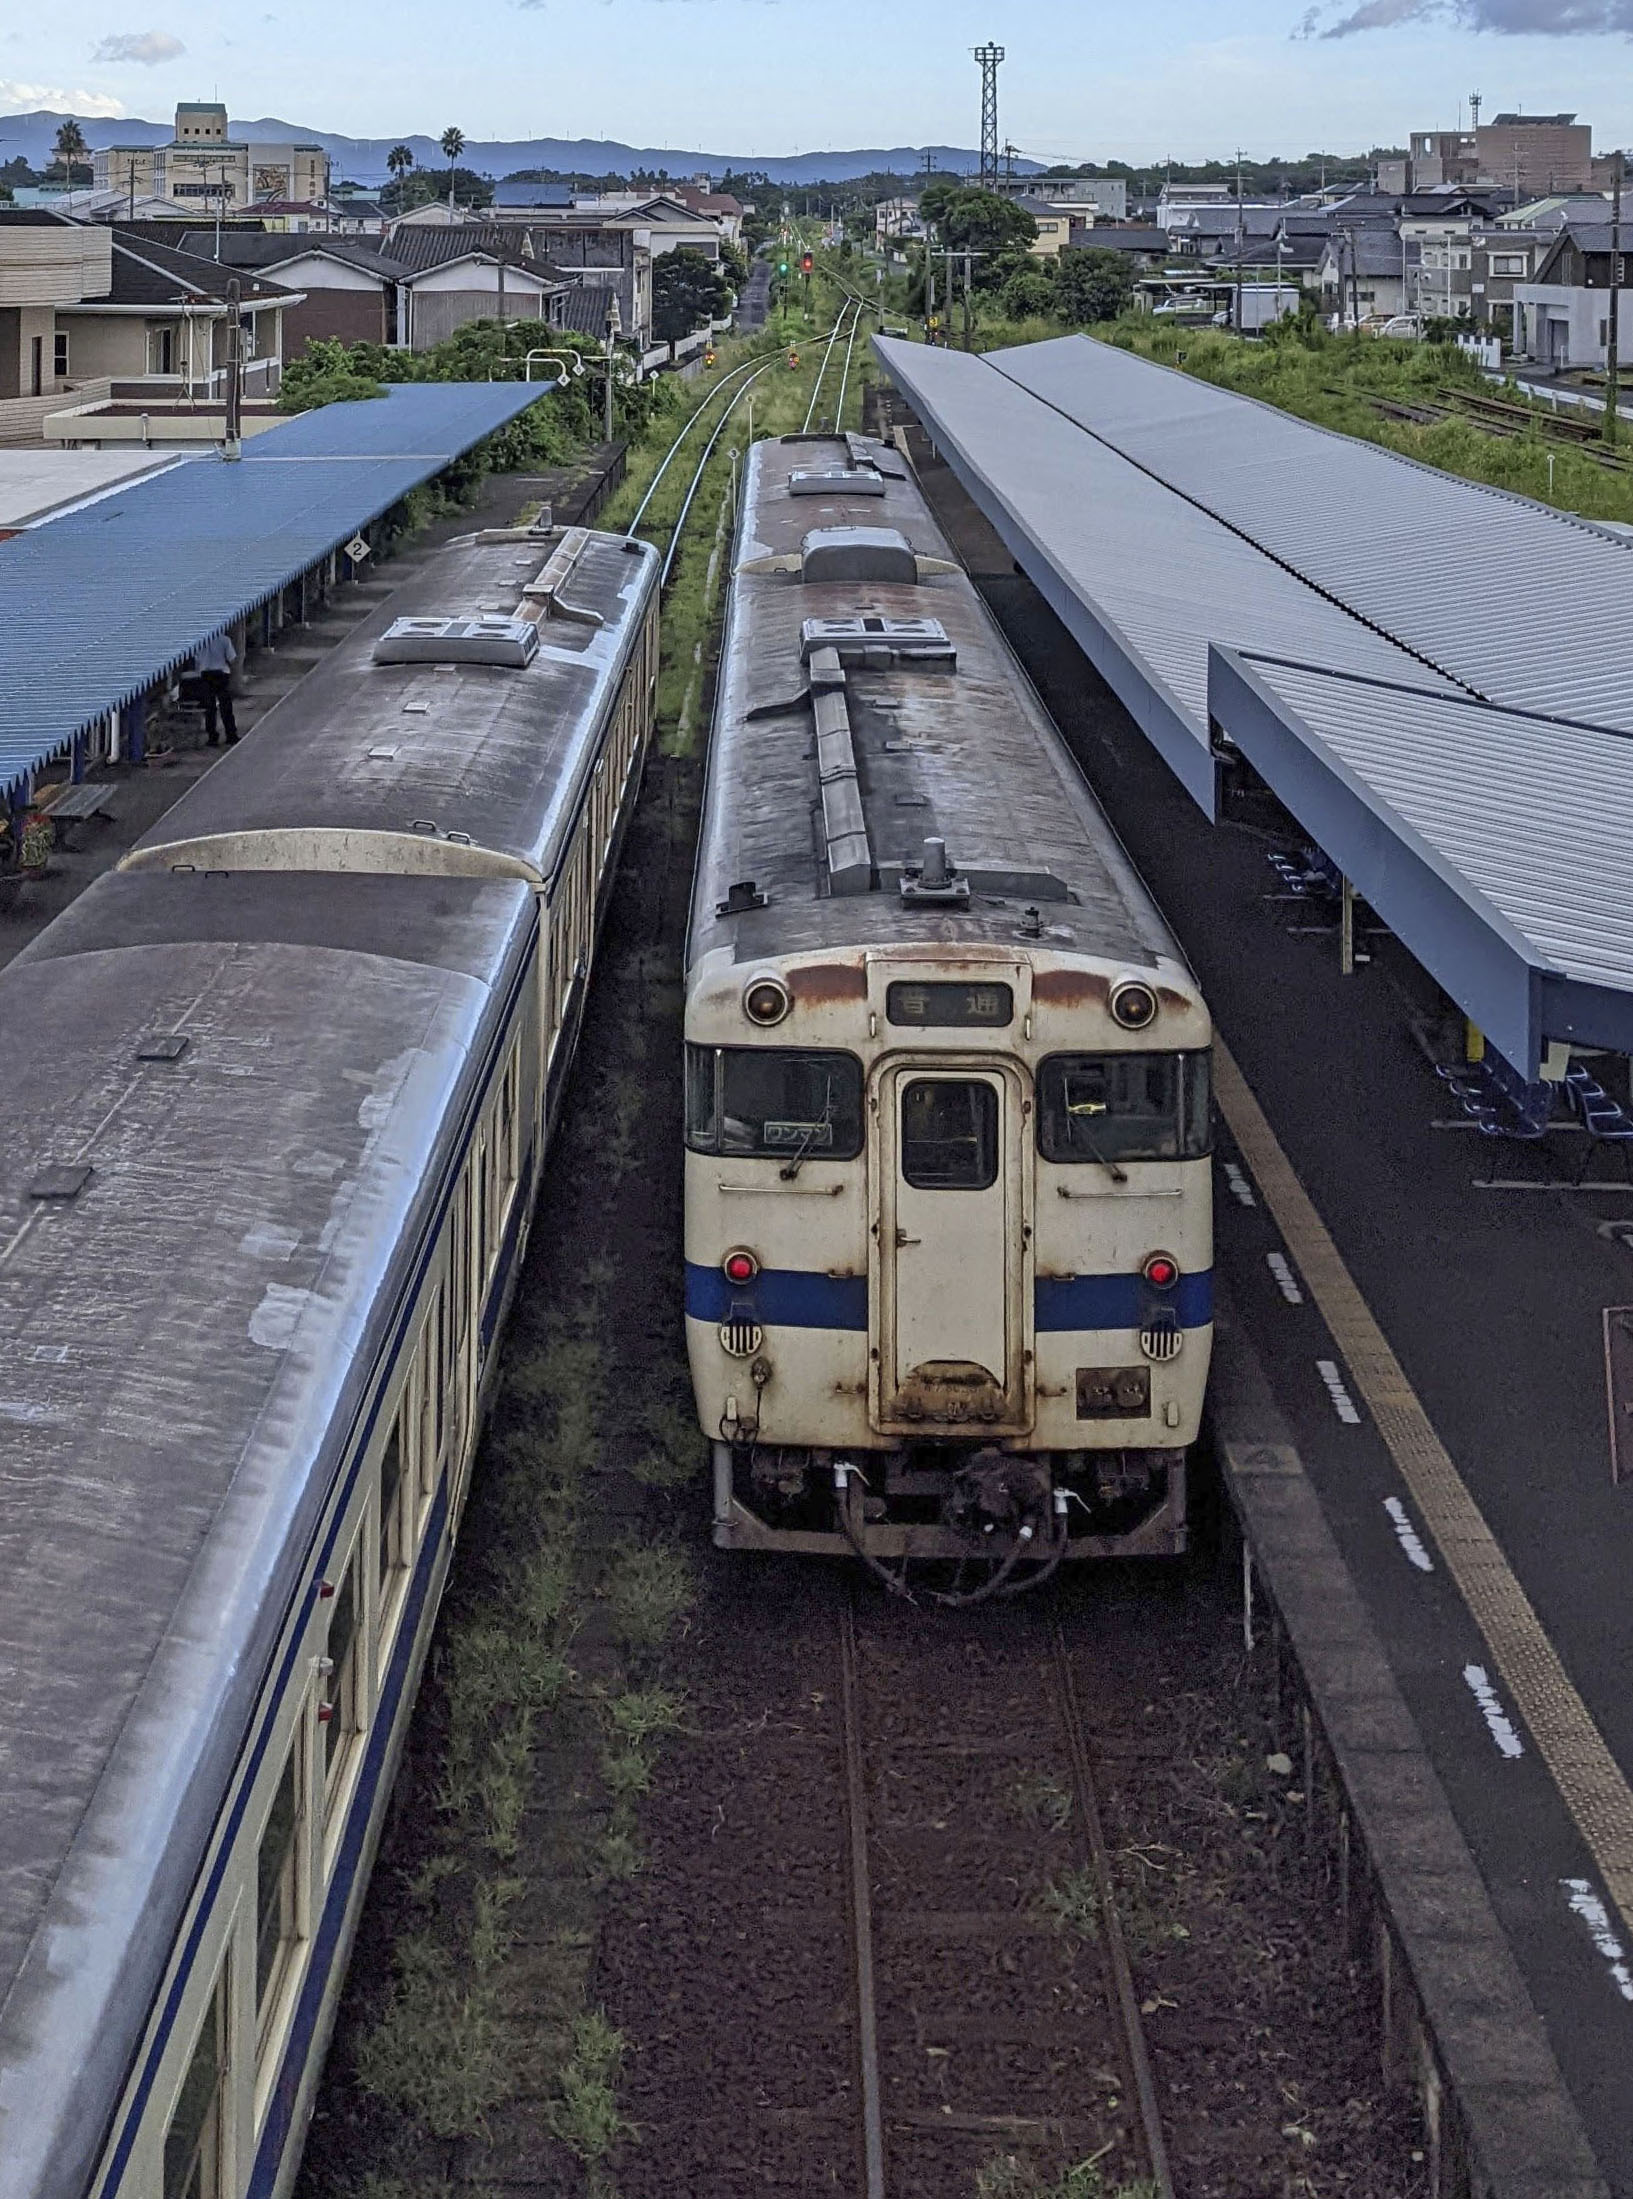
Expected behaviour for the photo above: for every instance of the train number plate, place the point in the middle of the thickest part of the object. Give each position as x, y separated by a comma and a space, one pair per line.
1113, 1393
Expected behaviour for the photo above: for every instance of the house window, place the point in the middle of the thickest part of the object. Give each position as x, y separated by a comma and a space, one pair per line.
59, 354
194, 2143
161, 351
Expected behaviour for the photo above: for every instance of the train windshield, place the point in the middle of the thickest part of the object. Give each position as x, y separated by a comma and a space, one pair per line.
773, 1102
1124, 1107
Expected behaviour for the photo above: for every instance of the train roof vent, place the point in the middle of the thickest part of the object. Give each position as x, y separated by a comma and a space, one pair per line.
835, 481
489, 639
876, 643
935, 878
857, 554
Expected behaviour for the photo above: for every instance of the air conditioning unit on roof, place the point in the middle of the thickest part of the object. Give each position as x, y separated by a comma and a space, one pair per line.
490, 639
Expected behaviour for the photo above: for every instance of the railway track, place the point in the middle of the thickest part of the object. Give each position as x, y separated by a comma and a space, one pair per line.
994, 2013
851, 313
1495, 416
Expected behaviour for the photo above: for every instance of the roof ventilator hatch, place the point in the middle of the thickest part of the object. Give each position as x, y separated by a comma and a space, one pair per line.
835, 481
844, 822
492, 638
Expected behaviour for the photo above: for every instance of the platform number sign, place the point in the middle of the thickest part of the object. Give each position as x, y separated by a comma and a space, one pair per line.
357, 549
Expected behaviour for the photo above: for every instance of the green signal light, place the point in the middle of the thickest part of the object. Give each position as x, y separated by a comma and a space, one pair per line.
782, 267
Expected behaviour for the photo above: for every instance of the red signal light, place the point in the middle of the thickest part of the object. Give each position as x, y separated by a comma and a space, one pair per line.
740, 1267
1160, 1271
806, 263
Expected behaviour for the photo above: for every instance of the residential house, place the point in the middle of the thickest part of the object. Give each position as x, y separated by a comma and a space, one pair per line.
1562, 316
894, 219
477, 271
1091, 198
725, 211
581, 244
350, 289
1055, 224
1367, 274
90, 312
202, 166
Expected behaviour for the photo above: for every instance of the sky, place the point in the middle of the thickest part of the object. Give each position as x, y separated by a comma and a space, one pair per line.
1186, 79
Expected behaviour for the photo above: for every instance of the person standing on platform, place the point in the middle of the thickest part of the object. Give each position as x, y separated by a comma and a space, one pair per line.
213, 663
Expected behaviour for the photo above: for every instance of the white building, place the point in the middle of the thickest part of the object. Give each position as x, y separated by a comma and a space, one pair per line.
202, 168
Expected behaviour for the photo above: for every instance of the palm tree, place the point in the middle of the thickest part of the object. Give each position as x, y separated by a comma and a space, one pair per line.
70, 148
452, 142
400, 160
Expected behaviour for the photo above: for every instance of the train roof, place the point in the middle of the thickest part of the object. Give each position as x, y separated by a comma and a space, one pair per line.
456, 740
201, 1255
840, 747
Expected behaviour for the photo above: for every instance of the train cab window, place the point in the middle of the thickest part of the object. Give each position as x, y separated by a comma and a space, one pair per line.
195, 2140
342, 1692
1124, 1107
277, 1890
773, 1102
949, 1134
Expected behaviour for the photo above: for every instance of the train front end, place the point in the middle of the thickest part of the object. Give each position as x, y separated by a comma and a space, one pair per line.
949, 1252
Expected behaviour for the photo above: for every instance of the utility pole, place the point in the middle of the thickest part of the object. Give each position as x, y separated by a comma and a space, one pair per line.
232, 441
1613, 332
1241, 239
988, 57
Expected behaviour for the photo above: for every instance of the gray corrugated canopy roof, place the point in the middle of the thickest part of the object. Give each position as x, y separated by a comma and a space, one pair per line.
103, 602
1502, 853
1164, 518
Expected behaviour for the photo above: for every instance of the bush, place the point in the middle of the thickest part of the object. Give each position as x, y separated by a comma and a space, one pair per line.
1028, 291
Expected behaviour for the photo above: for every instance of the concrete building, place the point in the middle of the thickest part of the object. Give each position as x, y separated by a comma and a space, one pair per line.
202, 167
1536, 153
1100, 198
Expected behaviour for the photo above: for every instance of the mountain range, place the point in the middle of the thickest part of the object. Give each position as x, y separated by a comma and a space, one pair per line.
363, 160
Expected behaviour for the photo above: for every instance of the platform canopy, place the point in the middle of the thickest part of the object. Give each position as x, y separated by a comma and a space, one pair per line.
1434, 678
108, 599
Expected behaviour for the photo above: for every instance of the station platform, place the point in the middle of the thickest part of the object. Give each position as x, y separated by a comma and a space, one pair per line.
1431, 1315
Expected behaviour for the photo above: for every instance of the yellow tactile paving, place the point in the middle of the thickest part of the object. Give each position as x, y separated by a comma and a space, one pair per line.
1586, 1774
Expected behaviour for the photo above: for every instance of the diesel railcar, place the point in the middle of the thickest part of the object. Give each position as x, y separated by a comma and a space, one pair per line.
274, 1105
948, 1197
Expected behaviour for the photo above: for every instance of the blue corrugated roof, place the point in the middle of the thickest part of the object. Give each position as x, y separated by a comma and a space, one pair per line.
103, 602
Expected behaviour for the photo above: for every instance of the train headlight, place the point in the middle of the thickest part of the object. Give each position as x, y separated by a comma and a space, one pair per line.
1133, 1005
740, 1266
766, 1001
1161, 1271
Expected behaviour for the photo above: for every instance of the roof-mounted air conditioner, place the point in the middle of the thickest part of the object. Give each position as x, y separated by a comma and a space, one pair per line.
493, 639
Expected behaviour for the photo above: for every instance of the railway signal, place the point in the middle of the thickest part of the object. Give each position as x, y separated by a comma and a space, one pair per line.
793, 356
806, 263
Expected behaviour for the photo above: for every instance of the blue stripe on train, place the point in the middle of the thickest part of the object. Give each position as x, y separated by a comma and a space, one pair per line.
779, 1298
1118, 1302
794, 1298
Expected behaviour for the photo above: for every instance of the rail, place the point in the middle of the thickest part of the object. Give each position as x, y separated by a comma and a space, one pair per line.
884, 2131
679, 529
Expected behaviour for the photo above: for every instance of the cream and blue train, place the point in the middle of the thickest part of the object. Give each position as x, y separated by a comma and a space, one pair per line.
274, 1105
949, 1260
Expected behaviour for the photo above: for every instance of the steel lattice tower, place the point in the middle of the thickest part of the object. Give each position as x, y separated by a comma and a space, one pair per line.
989, 57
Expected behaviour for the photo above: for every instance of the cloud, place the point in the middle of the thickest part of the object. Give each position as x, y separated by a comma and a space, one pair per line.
147, 48
1535, 18
17, 97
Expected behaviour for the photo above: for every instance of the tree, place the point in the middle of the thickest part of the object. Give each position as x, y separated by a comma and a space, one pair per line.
70, 149
687, 291
419, 187
452, 142
399, 160
1092, 286
1028, 293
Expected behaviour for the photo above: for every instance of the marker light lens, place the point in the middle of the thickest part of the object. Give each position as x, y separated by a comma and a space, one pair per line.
1133, 1006
740, 1267
1161, 1271
766, 1001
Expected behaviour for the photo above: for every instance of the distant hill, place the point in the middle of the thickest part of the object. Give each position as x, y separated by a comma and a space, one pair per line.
363, 160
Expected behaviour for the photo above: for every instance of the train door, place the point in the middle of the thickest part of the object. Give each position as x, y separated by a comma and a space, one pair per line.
954, 1266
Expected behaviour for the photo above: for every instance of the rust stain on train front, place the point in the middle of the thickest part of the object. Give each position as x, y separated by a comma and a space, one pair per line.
819, 983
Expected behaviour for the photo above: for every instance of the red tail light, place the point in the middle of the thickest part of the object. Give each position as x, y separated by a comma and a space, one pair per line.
1161, 1271
740, 1267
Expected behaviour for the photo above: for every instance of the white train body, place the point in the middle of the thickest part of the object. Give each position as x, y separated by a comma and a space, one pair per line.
948, 1206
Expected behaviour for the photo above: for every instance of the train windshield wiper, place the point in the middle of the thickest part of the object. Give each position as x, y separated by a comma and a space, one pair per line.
1076, 1111
791, 1167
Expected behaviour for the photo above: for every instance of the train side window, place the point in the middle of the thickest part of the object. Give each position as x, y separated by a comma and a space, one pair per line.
433, 1393
343, 1693
277, 1896
773, 1102
392, 1543
510, 1109
949, 1134
1125, 1107
195, 2140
